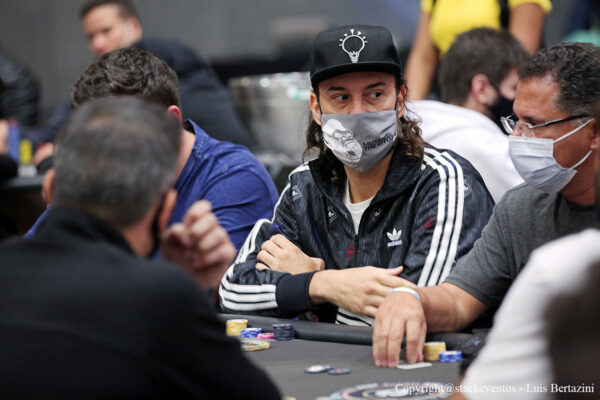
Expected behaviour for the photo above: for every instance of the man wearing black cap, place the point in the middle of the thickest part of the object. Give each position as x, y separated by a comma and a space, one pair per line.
375, 203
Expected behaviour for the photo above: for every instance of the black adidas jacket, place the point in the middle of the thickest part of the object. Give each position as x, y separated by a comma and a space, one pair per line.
428, 214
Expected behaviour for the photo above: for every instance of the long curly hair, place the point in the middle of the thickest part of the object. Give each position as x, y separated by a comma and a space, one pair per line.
408, 141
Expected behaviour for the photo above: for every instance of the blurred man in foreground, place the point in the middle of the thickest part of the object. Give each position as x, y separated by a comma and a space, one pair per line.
84, 314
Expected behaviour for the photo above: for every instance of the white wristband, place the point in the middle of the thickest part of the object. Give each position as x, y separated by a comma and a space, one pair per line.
407, 290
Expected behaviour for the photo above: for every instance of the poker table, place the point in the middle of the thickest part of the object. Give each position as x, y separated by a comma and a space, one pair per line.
343, 346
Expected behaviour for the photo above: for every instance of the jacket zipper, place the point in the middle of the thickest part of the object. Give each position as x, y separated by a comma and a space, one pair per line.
355, 241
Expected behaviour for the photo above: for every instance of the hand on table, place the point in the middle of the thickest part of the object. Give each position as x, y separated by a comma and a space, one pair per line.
279, 254
400, 315
360, 290
200, 245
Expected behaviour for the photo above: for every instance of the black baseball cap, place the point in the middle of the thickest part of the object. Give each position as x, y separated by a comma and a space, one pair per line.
353, 48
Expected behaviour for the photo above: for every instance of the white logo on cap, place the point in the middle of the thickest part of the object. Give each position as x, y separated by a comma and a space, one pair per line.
353, 54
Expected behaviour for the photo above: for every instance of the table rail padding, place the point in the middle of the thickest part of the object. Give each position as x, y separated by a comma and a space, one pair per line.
328, 332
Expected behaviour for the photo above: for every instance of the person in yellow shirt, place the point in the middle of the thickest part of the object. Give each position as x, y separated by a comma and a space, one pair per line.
442, 20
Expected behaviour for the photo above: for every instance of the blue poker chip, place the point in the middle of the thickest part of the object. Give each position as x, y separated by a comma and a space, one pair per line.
250, 332
317, 369
451, 356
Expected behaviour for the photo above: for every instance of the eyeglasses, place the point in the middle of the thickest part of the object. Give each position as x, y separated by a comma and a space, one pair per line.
525, 129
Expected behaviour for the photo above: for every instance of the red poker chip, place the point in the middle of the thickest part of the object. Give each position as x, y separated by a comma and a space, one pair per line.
265, 335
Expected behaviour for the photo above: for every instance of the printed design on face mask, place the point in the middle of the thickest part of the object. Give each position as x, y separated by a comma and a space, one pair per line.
331, 215
350, 44
373, 144
349, 146
296, 193
394, 238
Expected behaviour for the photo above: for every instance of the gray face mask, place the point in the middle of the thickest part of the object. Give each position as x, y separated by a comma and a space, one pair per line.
360, 141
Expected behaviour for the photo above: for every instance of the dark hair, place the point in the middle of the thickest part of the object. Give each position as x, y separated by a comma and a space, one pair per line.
115, 157
484, 51
573, 328
409, 140
128, 71
575, 67
126, 7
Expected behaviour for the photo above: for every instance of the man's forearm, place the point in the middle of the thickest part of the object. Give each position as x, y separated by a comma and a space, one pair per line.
449, 308
441, 312
319, 290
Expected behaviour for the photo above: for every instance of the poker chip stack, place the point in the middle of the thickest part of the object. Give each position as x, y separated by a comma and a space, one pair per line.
451, 356
432, 350
253, 344
250, 332
265, 336
283, 331
233, 327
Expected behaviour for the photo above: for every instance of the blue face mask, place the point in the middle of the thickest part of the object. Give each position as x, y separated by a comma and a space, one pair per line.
360, 141
534, 160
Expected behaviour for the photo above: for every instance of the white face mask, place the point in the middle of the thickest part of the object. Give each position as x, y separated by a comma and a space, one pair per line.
360, 141
534, 160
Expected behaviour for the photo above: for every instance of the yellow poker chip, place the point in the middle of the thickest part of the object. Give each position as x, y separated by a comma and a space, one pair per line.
432, 350
254, 345
233, 327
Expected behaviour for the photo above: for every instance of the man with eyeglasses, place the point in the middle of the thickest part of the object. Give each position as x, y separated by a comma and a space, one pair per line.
553, 146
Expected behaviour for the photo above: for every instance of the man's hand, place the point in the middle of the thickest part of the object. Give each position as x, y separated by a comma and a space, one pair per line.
400, 315
3, 136
279, 254
200, 245
44, 151
360, 290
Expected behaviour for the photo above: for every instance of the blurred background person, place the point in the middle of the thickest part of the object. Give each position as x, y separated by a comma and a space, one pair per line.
478, 80
8, 166
20, 101
19, 112
442, 20
113, 24
584, 22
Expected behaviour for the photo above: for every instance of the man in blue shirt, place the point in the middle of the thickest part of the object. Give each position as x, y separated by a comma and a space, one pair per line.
227, 175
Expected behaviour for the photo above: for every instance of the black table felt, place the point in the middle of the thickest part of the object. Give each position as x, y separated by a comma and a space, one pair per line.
285, 362
340, 347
